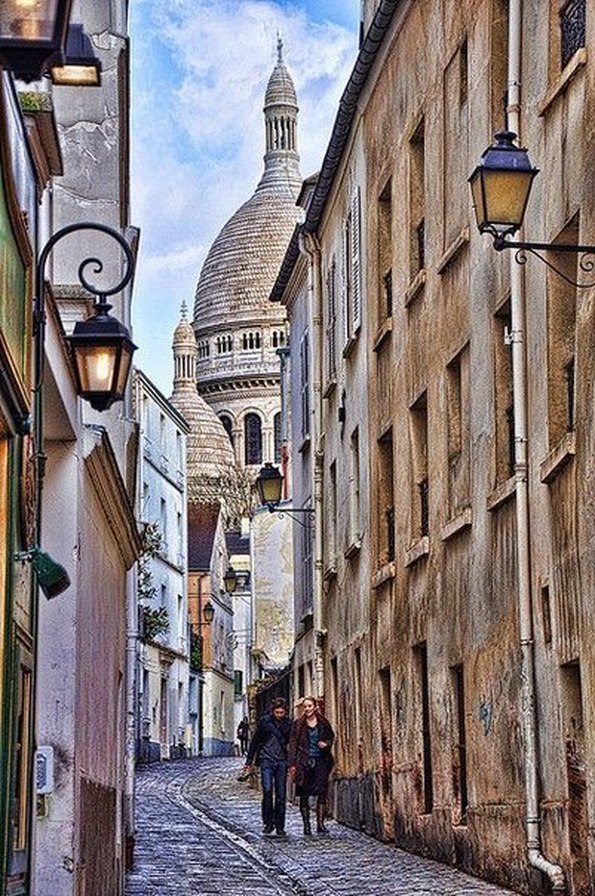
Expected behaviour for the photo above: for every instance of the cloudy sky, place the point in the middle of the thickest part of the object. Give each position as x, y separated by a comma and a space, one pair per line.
200, 69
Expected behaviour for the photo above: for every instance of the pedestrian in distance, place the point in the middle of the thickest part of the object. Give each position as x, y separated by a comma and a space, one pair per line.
268, 750
311, 762
243, 735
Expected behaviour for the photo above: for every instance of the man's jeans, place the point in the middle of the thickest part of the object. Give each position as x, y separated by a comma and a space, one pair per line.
273, 777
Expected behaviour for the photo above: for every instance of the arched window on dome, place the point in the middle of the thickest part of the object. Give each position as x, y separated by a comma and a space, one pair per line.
203, 348
252, 439
278, 338
224, 344
227, 425
277, 437
250, 341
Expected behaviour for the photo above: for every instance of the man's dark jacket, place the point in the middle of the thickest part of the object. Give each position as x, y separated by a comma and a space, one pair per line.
269, 728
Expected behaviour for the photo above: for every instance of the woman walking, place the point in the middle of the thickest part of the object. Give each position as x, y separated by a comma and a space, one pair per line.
311, 761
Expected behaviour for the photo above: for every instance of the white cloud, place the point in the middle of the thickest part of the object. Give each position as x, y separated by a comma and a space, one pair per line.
200, 72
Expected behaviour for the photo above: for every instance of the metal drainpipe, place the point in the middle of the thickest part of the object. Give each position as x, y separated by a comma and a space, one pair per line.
310, 247
519, 361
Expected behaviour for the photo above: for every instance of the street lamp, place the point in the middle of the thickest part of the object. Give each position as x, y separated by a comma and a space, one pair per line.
101, 349
500, 187
32, 35
230, 580
269, 485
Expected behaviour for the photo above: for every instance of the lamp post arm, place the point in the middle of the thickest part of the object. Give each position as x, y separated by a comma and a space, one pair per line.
585, 262
290, 511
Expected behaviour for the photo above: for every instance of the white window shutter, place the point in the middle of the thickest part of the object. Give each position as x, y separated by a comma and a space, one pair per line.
356, 266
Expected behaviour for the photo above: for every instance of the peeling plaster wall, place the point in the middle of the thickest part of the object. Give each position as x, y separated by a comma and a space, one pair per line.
405, 635
272, 589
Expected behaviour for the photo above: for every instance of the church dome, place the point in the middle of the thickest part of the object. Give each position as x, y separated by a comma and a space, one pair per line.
212, 475
243, 261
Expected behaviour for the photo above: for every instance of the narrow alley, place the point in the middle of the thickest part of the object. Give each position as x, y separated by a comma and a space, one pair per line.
199, 833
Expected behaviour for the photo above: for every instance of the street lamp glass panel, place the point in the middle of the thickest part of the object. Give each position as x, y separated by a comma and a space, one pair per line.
95, 367
70, 75
28, 20
230, 580
269, 484
208, 612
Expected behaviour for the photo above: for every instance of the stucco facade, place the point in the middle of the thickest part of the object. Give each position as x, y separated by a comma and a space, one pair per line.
459, 672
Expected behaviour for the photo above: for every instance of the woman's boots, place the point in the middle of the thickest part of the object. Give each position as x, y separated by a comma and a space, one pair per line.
320, 816
305, 812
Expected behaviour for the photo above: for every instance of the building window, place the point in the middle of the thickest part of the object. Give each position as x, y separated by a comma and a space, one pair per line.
561, 326
331, 322
227, 425
307, 576
277, 437
278, 338
385, 503
423, 678
224, 344
417, 224
354, 490
250, 341
253, 439
572, 29
203, 349
238, 683
385, 253
457, 411
419, 468
504, 407
458, 683
305, 384
331, 539
455, 142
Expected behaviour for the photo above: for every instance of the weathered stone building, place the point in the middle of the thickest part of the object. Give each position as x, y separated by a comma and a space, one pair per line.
454, 518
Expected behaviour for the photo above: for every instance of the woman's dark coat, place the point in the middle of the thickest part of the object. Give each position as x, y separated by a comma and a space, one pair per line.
298, 753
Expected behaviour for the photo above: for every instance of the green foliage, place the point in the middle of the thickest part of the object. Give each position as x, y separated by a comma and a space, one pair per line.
155, 622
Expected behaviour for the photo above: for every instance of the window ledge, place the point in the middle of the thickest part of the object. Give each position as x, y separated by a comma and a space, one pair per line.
558, 458
353, 549
457, 524
502, 493
416, 285
329, 388
453, 250
384, 574
330, 572
559, 86
305, 446
383, 333
350, 344
420, 549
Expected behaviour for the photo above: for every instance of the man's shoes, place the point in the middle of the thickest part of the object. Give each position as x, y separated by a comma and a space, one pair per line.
281, 833
268, 829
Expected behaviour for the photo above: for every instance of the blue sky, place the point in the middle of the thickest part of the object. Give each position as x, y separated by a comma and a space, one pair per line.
200, 69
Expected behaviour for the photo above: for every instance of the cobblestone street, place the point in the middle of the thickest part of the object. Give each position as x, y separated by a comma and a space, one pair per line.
199, 833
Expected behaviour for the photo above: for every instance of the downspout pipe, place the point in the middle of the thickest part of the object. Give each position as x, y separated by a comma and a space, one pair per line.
519, 366
309, 246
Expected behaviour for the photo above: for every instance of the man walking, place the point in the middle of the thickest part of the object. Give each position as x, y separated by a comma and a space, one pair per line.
268, 749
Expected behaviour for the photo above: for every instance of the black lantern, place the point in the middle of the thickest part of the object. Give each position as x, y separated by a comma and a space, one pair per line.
101, 351
208, 612
101, 348
32, 35
269, 484
80, 67
230, 580
500, 186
